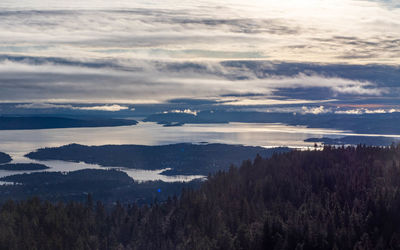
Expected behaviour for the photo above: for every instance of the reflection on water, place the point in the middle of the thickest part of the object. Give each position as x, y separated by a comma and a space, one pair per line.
19, 142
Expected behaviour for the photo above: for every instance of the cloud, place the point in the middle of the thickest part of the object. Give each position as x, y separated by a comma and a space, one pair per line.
111, 108
388, 3
43, 106
102, 51
359, 89
315, 110
366, 111
268, 102
185, 111
49, 82
286, 30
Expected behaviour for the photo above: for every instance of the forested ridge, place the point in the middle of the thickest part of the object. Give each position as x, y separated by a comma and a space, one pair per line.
338, 198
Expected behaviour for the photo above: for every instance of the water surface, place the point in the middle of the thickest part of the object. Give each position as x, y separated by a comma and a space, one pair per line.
17, 143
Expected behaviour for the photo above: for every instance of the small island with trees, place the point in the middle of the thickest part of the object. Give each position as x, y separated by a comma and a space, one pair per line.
23, 166
4, 158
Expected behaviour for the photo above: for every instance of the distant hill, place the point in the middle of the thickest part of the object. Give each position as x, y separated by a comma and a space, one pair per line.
15, 123
355, 140
4, 158
365, 123
183, 158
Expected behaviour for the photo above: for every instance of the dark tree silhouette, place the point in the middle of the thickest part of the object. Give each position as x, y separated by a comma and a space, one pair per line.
338, 198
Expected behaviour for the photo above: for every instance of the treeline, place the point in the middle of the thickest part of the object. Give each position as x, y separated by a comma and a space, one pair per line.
344, 198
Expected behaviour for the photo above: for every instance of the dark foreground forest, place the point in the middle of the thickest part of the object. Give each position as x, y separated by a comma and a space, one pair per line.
346, 198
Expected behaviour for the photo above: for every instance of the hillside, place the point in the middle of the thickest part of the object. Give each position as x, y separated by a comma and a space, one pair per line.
345, 198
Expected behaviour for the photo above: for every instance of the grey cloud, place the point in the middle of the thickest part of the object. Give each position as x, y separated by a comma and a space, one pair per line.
193, 20
39, 60
162, 53
195, 30
387, 3
44, 82
244, 25
362, 48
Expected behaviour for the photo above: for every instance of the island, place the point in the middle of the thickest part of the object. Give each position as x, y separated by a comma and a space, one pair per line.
23, 166
18, 123
182, 158
173, 124
104, 185
4, 158
356, 140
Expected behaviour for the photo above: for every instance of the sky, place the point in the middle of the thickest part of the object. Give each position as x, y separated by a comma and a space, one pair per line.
239, 53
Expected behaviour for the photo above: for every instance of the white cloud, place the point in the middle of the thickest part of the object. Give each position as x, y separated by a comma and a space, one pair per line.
350, 112
315, 110
43, 106
376, 111
185, 111
359, 89
366, 111
111, 108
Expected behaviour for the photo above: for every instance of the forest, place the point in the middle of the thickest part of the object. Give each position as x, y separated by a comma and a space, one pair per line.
335, 198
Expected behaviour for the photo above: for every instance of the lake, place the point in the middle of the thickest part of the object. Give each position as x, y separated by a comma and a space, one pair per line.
17, 143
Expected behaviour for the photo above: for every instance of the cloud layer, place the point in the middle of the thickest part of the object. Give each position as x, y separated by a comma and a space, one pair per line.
151, 83
150, 52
